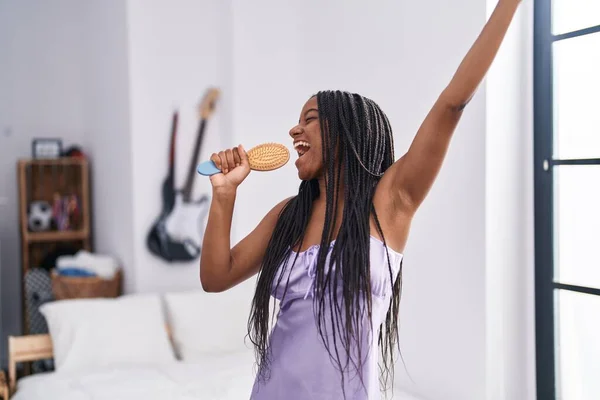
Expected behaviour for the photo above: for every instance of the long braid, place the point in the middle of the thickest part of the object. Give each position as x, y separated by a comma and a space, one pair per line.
357, 146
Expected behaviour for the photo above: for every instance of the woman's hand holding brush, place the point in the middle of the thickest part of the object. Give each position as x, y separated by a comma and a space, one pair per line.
234, 167
228, 168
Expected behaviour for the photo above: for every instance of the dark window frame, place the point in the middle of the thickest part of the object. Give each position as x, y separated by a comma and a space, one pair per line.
544, 165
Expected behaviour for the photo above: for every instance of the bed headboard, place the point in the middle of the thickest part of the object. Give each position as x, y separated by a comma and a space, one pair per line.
28, 348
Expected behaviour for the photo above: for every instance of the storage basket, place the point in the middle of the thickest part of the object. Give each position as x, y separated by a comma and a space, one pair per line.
79, 287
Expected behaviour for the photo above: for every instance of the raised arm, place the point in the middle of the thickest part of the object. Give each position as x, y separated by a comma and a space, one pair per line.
411, 177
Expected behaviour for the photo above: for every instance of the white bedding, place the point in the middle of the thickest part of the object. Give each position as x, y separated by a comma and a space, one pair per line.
222, 377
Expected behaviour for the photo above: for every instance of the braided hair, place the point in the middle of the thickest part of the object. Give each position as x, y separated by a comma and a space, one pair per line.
357, 149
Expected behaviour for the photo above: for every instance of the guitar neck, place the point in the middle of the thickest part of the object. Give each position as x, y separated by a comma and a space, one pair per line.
174, 122
189, 181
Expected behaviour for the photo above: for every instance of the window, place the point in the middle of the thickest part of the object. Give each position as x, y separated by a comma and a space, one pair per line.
567, 198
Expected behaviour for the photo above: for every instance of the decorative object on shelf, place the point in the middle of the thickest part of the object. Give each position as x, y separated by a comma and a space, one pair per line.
66, 211
74, 151
176, 235
46, 148
39, 216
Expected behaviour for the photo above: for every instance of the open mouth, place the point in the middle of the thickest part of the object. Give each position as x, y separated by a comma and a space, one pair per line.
301, 147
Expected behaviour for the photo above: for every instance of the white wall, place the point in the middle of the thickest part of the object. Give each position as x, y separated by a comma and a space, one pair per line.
176, 50
401, 54
509, 216
107, 138
41, 89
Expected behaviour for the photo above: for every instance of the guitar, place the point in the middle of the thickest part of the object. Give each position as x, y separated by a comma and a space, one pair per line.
177, 234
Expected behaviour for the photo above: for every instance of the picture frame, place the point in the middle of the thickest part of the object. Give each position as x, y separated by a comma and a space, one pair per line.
46, 148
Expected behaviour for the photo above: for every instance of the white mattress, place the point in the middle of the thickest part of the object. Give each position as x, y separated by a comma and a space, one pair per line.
222, 377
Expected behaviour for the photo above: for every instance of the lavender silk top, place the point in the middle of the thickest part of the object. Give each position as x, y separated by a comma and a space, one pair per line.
301, 367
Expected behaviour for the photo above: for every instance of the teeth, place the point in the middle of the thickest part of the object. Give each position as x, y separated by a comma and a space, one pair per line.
301, 143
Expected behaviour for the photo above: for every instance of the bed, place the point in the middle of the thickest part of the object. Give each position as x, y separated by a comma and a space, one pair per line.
224, 377
172, 346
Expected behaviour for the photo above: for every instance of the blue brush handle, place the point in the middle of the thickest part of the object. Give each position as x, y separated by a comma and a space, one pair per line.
208, 168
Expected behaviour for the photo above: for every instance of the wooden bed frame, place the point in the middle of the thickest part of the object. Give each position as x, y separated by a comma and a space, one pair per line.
23, 349
29, 348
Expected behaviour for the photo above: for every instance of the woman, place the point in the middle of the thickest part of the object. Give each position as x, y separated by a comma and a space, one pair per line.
332, 254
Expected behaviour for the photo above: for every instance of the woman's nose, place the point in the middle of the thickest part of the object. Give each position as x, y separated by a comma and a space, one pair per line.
295, 131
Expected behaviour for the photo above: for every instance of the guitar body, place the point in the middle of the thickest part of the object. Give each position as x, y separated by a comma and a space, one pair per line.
160, 244
173, 237
187, 221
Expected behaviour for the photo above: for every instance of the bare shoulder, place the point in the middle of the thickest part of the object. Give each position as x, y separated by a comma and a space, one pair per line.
279, 206
273, 215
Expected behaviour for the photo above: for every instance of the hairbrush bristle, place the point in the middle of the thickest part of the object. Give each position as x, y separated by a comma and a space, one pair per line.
268, 156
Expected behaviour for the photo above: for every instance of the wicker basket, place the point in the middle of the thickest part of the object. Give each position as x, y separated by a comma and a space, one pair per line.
77, 287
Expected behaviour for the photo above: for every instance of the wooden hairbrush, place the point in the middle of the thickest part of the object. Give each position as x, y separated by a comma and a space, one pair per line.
264, 157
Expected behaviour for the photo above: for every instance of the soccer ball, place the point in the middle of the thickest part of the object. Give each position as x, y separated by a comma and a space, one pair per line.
39, 216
